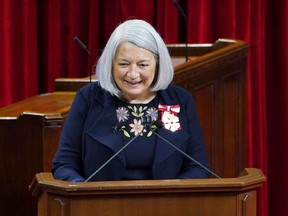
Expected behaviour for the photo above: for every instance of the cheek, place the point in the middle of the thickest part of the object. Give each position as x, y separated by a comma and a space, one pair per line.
118, 73
151, 75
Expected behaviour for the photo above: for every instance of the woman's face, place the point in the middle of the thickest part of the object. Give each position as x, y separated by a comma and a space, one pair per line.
134, 70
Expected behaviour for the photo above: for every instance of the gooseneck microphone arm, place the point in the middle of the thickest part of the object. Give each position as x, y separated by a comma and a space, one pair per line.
84, 47
101, 167
188, 156
181, 11
146, 120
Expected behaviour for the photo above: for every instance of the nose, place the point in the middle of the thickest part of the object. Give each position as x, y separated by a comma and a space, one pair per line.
133, 72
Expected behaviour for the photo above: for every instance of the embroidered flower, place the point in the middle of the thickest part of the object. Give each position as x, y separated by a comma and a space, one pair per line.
122, 114
153, 113
137, 128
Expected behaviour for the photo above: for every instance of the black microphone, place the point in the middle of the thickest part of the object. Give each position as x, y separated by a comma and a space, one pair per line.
84, 47
116, 128
181, 11
147, 121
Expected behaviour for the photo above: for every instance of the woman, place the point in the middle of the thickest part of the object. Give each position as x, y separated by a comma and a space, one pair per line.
105, 130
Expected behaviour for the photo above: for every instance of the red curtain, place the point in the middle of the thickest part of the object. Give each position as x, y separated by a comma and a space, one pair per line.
277, 104
19, 53
36, 40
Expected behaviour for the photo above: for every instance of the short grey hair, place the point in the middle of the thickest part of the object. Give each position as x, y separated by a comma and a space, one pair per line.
143, 35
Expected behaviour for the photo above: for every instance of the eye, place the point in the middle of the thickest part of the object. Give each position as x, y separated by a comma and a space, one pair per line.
143, 65
123, 64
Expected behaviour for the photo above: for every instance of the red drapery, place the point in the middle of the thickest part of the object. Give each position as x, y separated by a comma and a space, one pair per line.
36, 40
18, 55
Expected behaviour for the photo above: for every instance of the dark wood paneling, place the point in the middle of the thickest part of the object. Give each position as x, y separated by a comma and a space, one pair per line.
29, 134
217, 81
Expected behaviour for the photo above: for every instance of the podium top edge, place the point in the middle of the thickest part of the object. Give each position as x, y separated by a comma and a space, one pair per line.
250, 178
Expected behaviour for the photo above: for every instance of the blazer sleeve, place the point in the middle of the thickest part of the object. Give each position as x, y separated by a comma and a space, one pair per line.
67, 162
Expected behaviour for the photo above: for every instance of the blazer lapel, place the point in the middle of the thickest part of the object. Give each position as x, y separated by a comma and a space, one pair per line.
177, 138
104, 120
168, 142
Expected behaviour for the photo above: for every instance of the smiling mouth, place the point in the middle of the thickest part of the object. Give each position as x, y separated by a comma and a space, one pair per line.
133, 84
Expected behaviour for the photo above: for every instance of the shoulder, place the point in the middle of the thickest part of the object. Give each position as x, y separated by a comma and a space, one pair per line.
176, 93
91, 91
90, 87
177, 89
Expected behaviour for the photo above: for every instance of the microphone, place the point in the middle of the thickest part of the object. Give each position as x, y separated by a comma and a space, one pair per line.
147, 121
181, 11
116, 128
84, 47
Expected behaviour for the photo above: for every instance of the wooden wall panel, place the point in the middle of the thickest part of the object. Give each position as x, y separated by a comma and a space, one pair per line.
29, 134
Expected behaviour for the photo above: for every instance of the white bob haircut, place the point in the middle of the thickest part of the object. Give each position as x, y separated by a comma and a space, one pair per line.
143, 35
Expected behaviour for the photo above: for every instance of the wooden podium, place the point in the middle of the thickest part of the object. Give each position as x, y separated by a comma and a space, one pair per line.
203, 197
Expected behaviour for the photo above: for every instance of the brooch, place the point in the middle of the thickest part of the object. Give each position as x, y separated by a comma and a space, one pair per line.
169, 117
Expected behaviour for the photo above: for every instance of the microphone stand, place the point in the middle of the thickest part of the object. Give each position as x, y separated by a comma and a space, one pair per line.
111, 158
182, 152
84, 47
181, 11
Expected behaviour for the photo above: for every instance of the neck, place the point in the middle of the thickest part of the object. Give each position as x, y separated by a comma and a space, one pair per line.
140, 100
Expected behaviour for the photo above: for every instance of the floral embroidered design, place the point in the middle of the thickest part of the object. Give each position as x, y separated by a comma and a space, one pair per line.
126, 133
153, 113
122, 114
137, 112
136, 126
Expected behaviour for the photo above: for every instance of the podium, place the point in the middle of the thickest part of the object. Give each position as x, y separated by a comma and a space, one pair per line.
203, 197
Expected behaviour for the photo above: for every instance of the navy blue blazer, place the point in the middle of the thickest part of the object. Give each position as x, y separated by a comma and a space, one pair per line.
88, 140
